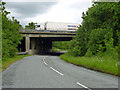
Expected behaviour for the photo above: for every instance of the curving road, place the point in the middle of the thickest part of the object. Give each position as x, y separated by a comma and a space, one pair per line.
44, 71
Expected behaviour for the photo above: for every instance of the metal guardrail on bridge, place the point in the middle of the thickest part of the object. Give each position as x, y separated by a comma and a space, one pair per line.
44, 31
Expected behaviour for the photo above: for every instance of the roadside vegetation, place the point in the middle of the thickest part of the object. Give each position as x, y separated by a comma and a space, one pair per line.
106, 63
61, 45
58, 46
8, 61
11, 38
54, 49
95, 45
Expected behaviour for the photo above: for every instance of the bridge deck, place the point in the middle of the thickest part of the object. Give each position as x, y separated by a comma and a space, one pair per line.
46, 32
57, 33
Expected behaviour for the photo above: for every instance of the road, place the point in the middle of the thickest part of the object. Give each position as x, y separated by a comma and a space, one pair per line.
45, 71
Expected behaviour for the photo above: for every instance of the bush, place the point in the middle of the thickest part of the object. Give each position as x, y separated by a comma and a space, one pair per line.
100, 41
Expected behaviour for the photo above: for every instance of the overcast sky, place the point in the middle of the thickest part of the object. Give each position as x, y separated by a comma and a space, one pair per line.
39, 11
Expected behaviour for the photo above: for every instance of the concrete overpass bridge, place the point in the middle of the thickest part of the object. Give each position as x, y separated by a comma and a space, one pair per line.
41, 42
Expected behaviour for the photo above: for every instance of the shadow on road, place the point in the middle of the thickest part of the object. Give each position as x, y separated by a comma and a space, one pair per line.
55, 53
51, 53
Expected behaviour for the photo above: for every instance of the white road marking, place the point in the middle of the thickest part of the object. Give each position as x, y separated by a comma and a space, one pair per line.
56, 71
44, 61
83, 86
51, 67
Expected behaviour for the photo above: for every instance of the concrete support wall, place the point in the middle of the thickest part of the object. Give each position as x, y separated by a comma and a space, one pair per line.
27, 44
37, 45
32, 46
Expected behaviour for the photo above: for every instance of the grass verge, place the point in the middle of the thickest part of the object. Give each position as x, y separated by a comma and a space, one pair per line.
8, 61
102, 64
57, 49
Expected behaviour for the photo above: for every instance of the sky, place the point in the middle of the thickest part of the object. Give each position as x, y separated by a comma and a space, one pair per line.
39, 11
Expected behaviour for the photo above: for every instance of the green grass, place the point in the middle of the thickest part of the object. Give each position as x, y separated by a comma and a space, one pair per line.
8, 61
104, 64
57, 49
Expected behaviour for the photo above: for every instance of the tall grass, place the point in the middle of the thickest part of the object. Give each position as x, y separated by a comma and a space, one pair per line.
105, 63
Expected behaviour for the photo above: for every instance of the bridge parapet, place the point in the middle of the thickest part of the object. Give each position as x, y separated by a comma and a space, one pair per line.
43, 31
46, 34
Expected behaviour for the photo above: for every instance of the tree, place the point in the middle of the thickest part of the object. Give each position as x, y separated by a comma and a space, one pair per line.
30, 25
99, 30
10, 34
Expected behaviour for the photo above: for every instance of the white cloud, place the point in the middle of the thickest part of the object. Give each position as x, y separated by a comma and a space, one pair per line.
30, 0
63, 11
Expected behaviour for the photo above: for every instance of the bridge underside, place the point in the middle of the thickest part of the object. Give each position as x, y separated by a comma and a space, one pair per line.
39, 45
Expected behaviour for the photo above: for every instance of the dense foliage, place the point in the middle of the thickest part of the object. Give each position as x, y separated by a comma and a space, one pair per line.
10, 34
30, 25
64, 45
99, 31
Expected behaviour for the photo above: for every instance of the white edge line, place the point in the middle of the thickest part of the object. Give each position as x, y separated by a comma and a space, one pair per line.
56, 71
83, 86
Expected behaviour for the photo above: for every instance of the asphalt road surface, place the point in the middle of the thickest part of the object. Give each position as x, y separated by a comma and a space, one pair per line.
44, 71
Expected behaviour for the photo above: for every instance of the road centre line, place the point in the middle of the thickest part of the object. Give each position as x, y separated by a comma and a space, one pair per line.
56, 71
83, 86
44, 61
62, 75
51, 67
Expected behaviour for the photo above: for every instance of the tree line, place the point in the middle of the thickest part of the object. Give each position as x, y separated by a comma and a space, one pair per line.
11, 36
99, 31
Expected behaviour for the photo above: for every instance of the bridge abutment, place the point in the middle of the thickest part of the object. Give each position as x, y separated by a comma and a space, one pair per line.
37, 45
